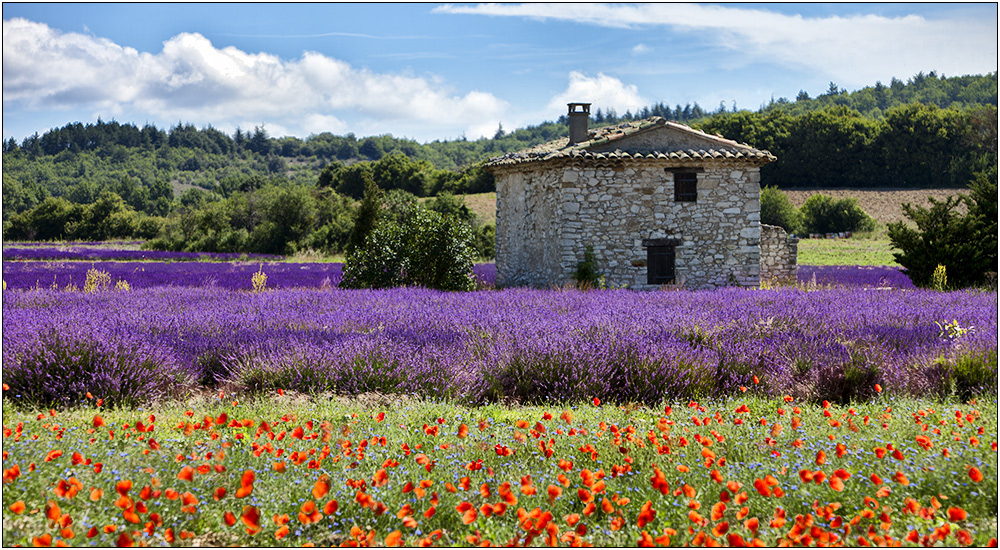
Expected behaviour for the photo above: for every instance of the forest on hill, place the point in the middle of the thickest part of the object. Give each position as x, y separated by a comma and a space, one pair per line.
931, 131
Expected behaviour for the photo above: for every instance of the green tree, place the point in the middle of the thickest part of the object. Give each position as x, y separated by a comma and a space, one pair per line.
108, 217
350, 181
777, 209
335, 218
367, 215
49, 221
966, 245
424, 249
289, 216
447, 204
397, 171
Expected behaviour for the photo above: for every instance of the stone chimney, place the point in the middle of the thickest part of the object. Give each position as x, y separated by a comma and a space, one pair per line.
579, 115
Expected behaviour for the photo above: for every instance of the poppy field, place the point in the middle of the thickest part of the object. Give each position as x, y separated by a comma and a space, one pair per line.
282, 469
277, 411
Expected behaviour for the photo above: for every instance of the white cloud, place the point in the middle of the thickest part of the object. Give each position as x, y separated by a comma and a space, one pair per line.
855, 49
640, 49
192, 80
602, 91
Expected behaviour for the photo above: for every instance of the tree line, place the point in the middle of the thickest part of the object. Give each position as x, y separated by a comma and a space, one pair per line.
120, 180
913, 145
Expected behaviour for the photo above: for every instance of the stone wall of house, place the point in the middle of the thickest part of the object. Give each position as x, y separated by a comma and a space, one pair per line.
546, 217
778, 255
527, 233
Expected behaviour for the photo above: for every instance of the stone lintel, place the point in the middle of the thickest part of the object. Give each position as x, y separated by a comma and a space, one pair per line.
660, 242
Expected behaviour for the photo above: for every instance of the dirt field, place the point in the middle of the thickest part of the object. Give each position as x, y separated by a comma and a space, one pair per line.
885, 205
484, 205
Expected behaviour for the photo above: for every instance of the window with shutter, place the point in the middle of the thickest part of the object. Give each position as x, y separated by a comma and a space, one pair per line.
685, 187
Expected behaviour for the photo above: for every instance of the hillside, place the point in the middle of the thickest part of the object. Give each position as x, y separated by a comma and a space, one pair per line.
928, 132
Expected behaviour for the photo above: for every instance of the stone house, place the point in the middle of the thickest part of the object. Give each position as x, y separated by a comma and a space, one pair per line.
659, 202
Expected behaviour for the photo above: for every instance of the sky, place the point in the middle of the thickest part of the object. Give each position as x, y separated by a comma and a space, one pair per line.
444, 71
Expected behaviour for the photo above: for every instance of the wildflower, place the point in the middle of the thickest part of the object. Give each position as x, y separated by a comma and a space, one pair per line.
975, 474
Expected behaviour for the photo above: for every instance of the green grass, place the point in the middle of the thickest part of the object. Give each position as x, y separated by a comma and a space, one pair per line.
853, 251
626, 441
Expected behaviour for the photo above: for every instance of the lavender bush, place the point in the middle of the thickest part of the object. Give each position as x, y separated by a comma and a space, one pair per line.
58, 366
89, 253
229, 276
853, 276
530, 345
237, 275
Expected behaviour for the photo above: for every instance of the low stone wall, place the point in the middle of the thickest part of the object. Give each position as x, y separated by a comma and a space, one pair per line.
778, 255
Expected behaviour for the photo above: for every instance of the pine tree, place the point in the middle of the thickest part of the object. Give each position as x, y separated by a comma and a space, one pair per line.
368, 214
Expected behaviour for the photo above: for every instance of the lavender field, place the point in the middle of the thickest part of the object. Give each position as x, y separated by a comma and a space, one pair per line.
517, 344
237, 275
97, 252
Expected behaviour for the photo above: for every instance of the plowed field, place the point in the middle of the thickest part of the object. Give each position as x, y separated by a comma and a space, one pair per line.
885, 205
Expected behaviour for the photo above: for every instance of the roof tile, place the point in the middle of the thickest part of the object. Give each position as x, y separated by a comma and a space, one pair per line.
561, 149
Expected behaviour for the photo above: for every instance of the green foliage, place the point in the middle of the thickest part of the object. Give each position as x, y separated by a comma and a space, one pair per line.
46, 222
939, 279
587, 275
277, 218
823, 214
966, 245
912, 145
448, 204
973, 373
259, 280
335, 221
367, 215
97, 281
777, 209
424, 248
483, 235
55, 218
484, 241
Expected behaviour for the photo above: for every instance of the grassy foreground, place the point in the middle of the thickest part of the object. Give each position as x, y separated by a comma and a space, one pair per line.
854, 251
374, 470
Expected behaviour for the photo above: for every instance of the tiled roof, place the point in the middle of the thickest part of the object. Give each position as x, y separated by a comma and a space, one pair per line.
599, 137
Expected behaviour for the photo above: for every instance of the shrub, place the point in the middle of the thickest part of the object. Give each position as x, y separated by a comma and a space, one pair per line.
966, 245
777, 209
974, 373
424, 248
823, 214
96, 281
939, 280
59, 369
259, 279
485, 241
587, 275
621, 369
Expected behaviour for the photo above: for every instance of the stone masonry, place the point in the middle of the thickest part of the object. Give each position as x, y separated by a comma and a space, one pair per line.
778, 255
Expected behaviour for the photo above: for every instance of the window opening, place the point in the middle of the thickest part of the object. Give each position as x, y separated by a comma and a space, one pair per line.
685, 187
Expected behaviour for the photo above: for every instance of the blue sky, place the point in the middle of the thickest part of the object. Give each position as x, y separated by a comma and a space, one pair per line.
440, 71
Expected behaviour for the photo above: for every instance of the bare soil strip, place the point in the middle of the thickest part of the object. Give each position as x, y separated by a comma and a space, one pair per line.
885, 205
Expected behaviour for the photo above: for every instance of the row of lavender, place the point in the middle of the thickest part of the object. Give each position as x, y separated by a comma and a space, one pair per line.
237, 276
88, 253
529, 345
